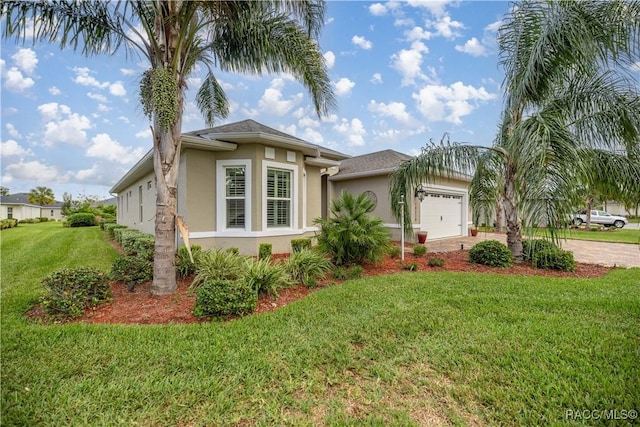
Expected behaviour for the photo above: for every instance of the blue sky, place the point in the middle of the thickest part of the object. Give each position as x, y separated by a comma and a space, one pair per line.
403, 73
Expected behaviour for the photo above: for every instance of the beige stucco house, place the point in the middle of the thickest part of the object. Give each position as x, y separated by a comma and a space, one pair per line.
443, 212
240, 184
19, 207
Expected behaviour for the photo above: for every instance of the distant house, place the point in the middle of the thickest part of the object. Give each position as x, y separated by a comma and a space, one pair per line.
443, 212
240, 184
19, 207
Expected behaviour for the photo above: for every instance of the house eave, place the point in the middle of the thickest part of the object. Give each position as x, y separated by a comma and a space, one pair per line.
365, 174
320, 162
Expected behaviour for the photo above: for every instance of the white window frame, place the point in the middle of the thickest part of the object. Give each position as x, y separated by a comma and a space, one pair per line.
294, 193
221, 193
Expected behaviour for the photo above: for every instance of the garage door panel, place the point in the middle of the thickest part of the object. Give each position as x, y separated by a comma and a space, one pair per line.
441, 215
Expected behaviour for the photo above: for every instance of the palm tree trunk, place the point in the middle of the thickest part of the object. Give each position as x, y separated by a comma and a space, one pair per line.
500, 215
588, 212
514, 228
167, 145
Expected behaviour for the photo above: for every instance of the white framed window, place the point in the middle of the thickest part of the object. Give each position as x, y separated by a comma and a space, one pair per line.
280, 183
233, 194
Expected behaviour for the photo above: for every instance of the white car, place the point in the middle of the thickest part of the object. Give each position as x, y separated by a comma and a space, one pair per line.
600, 217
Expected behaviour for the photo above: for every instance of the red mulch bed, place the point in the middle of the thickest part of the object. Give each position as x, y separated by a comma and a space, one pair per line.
140, 307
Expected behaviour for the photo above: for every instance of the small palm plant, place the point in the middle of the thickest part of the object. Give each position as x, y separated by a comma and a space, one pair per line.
350, 235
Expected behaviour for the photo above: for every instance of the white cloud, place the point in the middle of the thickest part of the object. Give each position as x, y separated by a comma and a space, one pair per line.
34, 171
473, 47
12, 148
97, 97
84, 78
128, 72
103, 108
449, 103
313, 136
361, 42
397, 110
63, 125
378, 9
353, 132
376, 79
144, 134
330, 59
306, 121
26, 60
53, 90
13, 131
117, 89
447, 28
408, 62
344, 86
87, 174
417, 34
272, 100
14, 80
436, 7
102, 146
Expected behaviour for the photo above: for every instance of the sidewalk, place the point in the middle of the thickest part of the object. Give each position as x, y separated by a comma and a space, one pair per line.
602, 253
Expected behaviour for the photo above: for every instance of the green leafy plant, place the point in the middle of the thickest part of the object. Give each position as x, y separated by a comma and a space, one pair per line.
339, 273
223, 297
435, 262
184, 266
419, 250
266, 277
217, 264
355, 272
350, 235
131, 270
264, 250
298, 245
81, 219
409, 266
110, 228
531, 246
554, 259
394, 251
492, 253
307, 267
70, 291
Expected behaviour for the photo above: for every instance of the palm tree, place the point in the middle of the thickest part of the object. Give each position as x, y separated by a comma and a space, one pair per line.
175, 36
41, 196
571, 115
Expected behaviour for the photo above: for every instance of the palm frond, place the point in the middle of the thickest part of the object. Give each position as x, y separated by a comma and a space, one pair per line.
211, 99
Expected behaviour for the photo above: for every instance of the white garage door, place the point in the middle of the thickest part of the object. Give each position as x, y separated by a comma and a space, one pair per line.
441, 215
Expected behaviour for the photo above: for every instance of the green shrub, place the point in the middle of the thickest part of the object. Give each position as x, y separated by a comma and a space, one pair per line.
128, 239
42, 219
144, 246
307, 267
218, 264
355, 272
131, 269
184, 266
71, 291
223, 297
264, 250
298, 245
394, 251
492, 253
81, 219
106, 221
8, 223
29, 221
350, 235
339, 273
266, 277
111, 227
435, 262
554, 259
419, 250
409, 266
531, 246
117, 233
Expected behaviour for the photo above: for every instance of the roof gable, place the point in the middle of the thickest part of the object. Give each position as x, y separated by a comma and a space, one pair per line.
380, 162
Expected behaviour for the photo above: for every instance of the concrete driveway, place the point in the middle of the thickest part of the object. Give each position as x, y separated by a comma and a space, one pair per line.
602, 253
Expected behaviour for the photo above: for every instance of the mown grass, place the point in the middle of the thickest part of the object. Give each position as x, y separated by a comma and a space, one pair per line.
612, 235
407, 349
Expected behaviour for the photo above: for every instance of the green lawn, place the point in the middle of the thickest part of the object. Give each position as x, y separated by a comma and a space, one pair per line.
407, 349
622, 235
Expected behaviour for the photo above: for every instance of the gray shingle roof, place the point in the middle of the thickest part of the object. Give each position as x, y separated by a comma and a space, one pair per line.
381, 161
23, 199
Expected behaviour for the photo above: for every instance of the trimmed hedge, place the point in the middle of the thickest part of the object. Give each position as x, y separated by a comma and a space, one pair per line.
531, 246
8, 223
131, 269
222, 297
300, 244
554, 259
